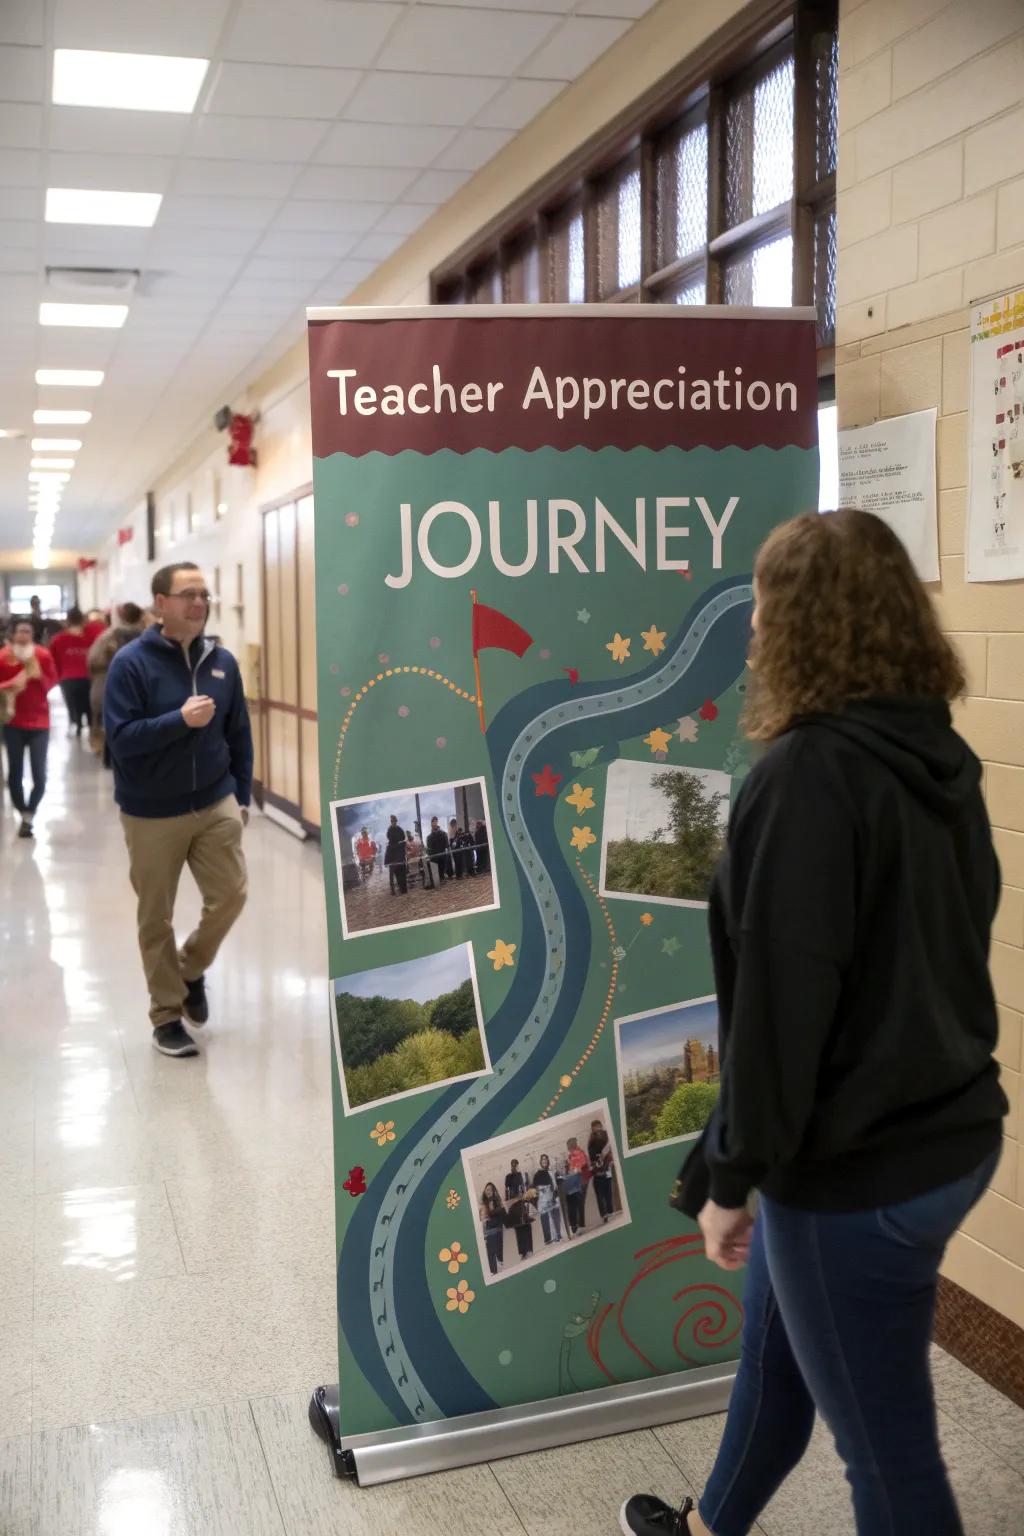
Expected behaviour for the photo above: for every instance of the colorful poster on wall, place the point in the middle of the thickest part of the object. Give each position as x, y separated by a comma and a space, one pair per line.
535, 532
995, 492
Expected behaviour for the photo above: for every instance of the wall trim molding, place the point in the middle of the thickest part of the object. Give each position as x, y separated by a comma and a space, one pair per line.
989, 1344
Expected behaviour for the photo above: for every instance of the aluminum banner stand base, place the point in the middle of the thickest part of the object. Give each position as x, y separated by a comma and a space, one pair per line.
416, 1450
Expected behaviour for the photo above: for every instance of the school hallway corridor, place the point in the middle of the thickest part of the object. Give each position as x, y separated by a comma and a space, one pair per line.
166, 1244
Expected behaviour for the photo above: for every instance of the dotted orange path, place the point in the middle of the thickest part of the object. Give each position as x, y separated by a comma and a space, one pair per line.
566, 1080
357, 698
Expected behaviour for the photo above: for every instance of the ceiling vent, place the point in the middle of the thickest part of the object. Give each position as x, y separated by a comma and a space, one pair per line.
93, 282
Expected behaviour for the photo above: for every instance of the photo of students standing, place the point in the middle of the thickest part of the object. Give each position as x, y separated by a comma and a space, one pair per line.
599, 1151
577, 1176
492, 1217
548, 1205
518, 1199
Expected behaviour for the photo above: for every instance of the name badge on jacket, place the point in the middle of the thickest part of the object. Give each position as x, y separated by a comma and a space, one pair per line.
216, 672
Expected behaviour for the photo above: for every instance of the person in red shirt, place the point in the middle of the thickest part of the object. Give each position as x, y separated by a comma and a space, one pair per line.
27, 673
70, 651
95, 624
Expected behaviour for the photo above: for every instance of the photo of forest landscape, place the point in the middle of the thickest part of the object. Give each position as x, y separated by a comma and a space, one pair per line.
669, 1072
405, 1027
664, 831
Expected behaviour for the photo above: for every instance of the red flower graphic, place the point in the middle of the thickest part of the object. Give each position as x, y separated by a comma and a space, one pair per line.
547, 781
355, 1183
709, 710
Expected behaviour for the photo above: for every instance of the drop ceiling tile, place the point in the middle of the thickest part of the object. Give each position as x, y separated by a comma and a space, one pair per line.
21, 74
110, 173
281, 90
23, 203
260, 291
371, 184
575, 46
21, 125
436, 186
629, 8
549, 7
452, 40
20, 234
235, 178
218, 212
518, 103
309, 269
321, 32
368, 143
15, 260
285, 242
118, 247
473, 148
96, 131
197, 266
171, 245
378, 247
21, 168
435, 100
403, 219
255, 138
21, 21
189, 27
63, 347
347, 219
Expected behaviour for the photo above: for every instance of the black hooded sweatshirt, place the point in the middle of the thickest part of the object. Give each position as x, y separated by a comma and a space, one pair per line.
850, 921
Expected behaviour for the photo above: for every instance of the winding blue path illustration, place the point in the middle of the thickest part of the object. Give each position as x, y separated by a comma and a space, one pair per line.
391, 1324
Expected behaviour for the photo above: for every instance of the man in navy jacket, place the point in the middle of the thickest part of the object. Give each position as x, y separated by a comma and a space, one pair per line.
178, 730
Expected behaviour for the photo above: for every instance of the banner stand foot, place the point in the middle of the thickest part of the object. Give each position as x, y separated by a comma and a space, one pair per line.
325, 1418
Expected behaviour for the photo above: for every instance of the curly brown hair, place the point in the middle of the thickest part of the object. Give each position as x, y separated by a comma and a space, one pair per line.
841, 615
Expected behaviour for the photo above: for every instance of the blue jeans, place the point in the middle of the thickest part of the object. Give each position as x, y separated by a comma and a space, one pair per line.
838, 1318
18, 740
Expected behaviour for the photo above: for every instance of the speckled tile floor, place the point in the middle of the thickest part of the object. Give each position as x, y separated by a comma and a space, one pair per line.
166, 1240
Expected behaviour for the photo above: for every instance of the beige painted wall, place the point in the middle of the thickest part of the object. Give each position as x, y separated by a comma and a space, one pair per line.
931, 216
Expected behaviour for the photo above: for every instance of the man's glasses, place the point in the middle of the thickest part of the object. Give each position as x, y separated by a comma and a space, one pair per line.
192, 595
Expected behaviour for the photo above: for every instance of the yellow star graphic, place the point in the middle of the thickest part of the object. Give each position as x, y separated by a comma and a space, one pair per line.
658, 740
582, 837
619, 648
581, 799
654, 640
502, 954
646, 918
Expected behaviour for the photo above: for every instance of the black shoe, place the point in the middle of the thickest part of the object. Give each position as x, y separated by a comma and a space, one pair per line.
174, 1040
25, 830
197, 1009
644, 1515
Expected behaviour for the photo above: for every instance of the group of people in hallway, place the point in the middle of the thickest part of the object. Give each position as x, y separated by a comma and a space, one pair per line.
176, 733
34, 659
558, 1195
455, 854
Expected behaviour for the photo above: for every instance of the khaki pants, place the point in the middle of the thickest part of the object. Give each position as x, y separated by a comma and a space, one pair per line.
210, 843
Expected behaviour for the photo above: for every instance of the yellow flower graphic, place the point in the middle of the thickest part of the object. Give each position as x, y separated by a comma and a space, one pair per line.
581, 799
619, 648
502, 954
453, 1257
646, 918
383, 1132
460, 1297
582, 837
658, 740
454, 1200
654, 640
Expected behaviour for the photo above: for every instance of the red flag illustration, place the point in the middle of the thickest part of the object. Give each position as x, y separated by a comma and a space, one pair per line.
495, 631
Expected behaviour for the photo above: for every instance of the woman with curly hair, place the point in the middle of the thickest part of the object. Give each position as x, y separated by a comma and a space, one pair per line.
850, 920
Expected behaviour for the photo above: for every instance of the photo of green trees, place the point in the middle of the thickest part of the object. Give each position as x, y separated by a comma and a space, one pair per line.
664, 831
408, 1026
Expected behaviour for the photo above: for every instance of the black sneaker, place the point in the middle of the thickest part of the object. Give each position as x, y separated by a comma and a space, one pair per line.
644, 1515
174, 1040
25, 830
197, 1009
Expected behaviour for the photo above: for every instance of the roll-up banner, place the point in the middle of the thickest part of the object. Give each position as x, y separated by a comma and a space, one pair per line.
535, 532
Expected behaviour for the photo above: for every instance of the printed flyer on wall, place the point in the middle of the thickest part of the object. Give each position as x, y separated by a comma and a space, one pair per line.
535, 532
995, 492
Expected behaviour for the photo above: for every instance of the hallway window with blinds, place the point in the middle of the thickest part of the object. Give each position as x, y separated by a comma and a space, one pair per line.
722, 192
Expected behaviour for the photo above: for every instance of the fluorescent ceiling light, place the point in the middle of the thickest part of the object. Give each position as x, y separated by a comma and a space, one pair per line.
76, 378
140, 82
10, 432
77, 205
61, 418
51, 463
107, 317
56, 444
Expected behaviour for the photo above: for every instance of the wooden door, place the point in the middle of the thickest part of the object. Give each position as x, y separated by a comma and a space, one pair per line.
291, 779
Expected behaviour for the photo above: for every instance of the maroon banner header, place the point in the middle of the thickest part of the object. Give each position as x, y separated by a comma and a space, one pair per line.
535, 381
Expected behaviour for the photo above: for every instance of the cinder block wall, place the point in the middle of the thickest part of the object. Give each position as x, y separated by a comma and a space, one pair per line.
931, 217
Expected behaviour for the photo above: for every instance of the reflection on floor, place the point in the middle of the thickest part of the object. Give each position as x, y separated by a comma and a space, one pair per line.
166, 1246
